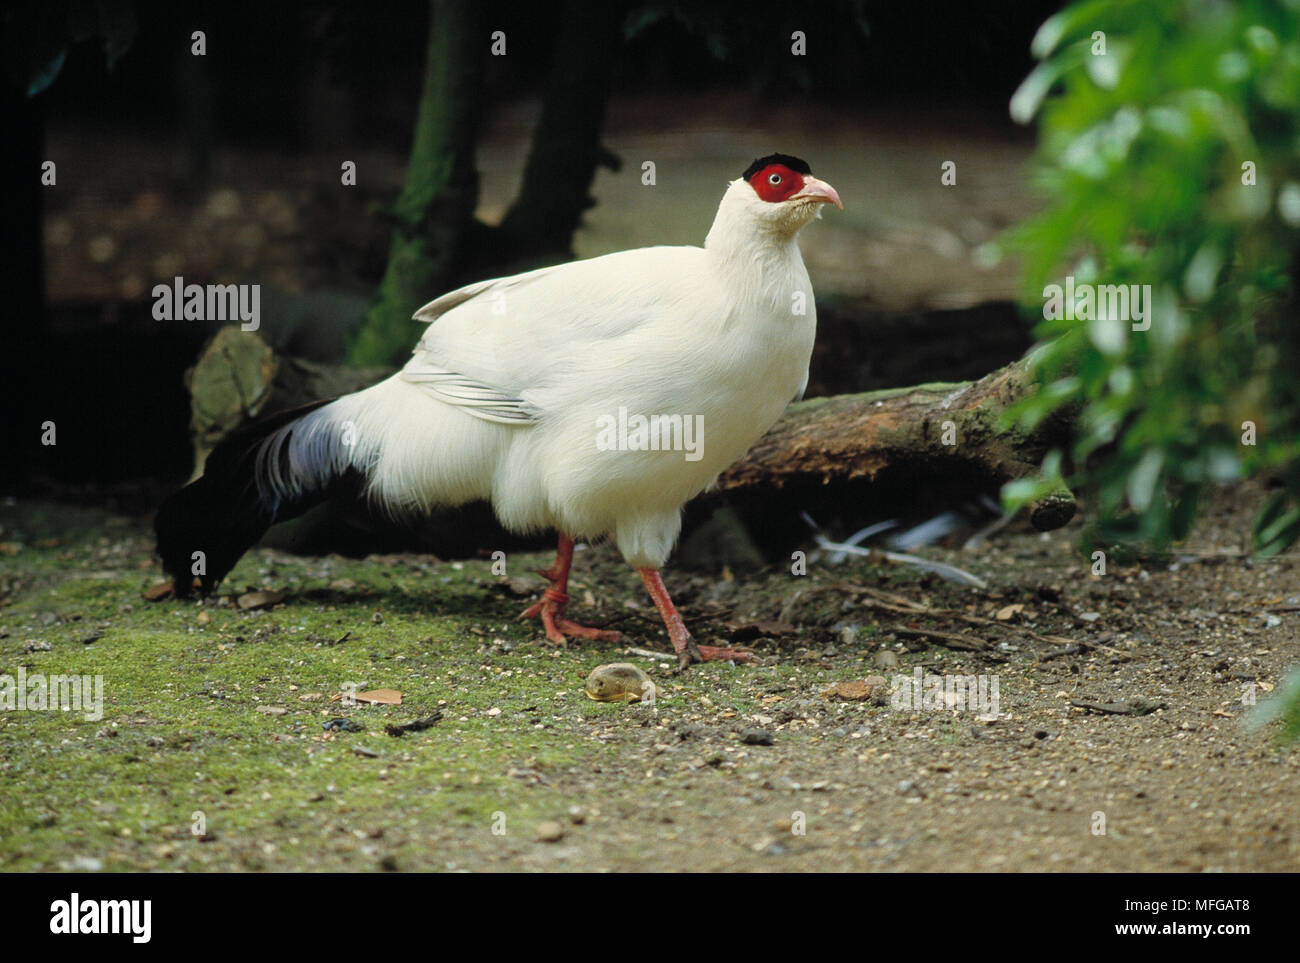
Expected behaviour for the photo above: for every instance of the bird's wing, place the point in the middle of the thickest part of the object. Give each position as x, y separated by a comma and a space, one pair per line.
455, 388
491, 345
441, 305
478, 399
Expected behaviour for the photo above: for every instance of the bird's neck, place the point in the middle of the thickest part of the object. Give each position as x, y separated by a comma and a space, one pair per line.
758, 261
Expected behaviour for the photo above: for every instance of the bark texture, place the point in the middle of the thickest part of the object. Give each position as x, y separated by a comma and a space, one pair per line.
930, 428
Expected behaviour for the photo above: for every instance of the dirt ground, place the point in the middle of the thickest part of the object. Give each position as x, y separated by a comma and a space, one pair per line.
218, 712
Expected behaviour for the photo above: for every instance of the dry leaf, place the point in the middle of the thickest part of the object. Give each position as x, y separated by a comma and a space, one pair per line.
1009, 612
858, 691
259, 600
156, 593
380, 697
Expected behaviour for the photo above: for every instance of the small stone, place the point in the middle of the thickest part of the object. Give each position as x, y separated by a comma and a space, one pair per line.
342, 725
519, 586
757, 737
619, 682
856, 691
550, 831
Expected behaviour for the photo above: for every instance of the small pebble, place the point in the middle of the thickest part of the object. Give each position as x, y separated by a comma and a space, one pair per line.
757, 737
550, 831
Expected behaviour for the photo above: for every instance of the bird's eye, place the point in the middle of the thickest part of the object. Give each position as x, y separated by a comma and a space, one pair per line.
774, 179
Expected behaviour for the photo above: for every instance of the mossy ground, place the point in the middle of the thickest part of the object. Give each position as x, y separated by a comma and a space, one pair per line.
674, 786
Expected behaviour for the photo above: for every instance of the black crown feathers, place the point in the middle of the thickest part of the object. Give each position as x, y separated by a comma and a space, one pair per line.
794, 163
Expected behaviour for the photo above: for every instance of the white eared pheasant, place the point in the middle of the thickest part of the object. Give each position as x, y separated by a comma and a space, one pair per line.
511, 392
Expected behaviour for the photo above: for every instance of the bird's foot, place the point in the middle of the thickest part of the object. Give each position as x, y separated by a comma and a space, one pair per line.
715, 653
683, 644
691, 652
559, 629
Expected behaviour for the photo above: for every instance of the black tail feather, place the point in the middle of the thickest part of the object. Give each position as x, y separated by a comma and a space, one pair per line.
220, 513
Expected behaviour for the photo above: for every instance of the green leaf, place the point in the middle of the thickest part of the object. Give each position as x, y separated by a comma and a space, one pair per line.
1277, 527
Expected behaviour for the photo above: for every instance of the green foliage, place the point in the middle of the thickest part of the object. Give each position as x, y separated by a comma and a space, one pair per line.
435, 210
1147, 153
1284, 707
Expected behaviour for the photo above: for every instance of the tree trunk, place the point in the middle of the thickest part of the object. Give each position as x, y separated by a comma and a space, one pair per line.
566, 142
435, 211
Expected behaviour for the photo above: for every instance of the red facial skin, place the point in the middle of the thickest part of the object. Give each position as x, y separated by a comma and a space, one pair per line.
789, 183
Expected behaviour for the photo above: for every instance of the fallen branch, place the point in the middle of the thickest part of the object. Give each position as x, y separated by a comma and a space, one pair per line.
924, 430
951, 640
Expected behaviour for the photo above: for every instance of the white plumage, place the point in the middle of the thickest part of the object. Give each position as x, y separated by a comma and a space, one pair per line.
505, 392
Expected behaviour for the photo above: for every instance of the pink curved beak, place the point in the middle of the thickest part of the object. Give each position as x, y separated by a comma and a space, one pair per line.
817, 190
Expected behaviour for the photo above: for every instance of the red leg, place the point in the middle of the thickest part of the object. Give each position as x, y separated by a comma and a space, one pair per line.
556, 598
685, 647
